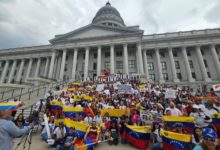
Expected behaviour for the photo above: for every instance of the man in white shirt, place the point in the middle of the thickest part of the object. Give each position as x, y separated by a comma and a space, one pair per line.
174, 111
88, 119
59, 133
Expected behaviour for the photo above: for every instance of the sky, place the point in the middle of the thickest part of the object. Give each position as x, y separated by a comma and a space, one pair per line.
35, 22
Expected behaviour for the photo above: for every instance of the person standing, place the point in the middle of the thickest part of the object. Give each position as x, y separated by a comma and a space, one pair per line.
9, 131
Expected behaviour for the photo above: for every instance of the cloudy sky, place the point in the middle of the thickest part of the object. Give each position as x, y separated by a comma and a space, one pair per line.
34, 22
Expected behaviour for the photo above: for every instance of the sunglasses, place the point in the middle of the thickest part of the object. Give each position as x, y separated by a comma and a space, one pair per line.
210, 139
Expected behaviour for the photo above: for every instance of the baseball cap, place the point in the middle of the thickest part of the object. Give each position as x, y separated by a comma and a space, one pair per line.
209, 133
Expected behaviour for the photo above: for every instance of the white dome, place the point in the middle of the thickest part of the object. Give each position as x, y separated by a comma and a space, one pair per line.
108, 15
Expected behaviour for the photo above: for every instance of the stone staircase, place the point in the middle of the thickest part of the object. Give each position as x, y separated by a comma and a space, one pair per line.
32, 96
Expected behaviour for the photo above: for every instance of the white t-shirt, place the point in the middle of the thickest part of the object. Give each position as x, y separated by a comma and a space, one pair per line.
174, 111
97, 119
88, 120
58, 134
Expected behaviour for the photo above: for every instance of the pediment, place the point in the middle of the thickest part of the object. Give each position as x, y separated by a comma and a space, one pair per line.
92, 31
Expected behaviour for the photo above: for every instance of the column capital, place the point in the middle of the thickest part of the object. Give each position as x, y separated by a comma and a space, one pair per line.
170, 48
53, 50
157, 49
99, 46
183, 47
125, 44
112, 45
75, 48
212, 45
198, 46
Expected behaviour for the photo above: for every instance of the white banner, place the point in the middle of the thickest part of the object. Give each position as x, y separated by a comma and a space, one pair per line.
170, 94
100, 87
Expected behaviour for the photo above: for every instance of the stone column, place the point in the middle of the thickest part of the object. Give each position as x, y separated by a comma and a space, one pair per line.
173, 67
74, 64
137, 62
37, 67
146, 64
4, 71
86, 68
112, 61
99, 61
215, 59
29, 69
160, 75
202, 65
186, 61
46, 66
20, 70
62, 67
12, 71
125, 54
140, 58
52, 64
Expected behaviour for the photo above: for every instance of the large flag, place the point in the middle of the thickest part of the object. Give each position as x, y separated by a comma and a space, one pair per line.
216, 121
71, 112
188, 122
138, 136
81, 129
9, 105
175, 141
87, 110
56, 106
114, 112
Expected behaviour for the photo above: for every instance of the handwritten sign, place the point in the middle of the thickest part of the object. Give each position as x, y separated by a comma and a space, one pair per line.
170, 94
124, 88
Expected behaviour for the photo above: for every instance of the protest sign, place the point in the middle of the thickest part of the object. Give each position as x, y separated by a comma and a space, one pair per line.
100, 87
124, 88
216, 89
170, 94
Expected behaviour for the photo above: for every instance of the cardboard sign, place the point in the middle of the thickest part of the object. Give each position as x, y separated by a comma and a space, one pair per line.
170, 94
216, 87
124, 88
100, 87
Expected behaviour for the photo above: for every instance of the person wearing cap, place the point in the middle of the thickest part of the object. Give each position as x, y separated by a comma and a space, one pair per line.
8, 130
209, 140
59, 133
200, 118
68, 141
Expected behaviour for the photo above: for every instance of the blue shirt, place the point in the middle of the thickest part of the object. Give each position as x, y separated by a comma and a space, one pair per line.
8, 131
197, 147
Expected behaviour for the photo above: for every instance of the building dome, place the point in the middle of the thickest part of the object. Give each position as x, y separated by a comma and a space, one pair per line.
109, 16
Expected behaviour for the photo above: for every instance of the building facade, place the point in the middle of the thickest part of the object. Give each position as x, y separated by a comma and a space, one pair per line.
107, 43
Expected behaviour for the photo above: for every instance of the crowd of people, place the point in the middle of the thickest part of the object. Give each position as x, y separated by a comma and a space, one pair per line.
147, 104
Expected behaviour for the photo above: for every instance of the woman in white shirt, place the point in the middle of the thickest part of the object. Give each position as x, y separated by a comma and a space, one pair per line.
98, 118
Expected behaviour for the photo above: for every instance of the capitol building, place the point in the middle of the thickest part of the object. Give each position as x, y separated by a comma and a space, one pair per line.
188, 57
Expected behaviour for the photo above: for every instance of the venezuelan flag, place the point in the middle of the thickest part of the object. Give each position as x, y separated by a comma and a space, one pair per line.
114, 112
216, 121
81, 129
56, 106
70, 112
138, 136
188, 122
175, 141
87, 110
9, 105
